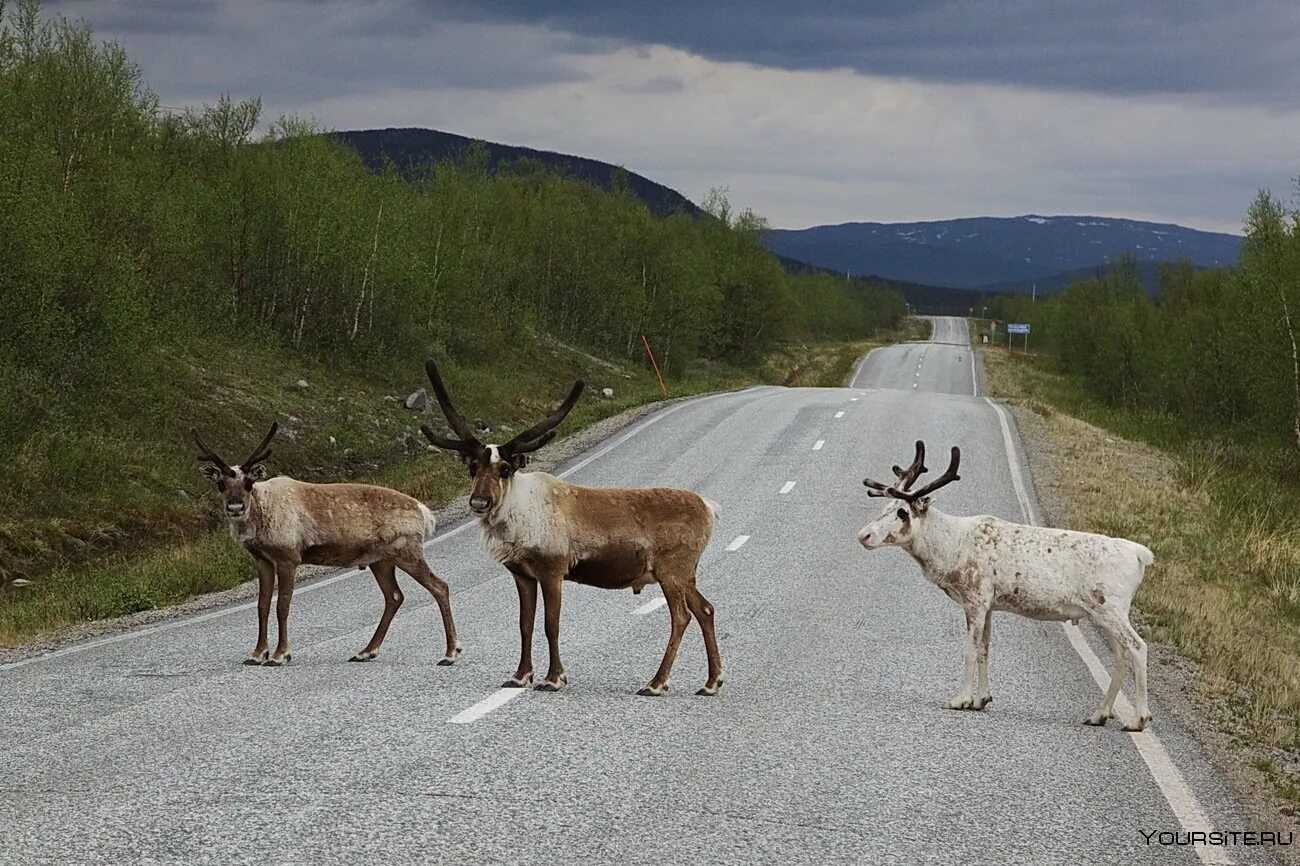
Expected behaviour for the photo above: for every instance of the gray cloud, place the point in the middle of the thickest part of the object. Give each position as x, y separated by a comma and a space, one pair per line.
293, 51
826, 113
1246, 49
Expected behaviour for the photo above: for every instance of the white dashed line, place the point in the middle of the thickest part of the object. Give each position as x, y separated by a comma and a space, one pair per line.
738, 543
853, 399
787, 487
652, 604
497, 699
839, 414
818, 445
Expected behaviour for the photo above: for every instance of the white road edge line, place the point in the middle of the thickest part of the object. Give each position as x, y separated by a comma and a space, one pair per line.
787, 487
652, 604
1186, 808
344, 575
738, 542
496, 700
817, 446
974, 377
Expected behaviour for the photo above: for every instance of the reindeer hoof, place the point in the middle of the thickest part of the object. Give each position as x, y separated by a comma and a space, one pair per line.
1139, 725
981, 703
255, 660
552, 685
364, 657
652, 692
451, 659
708, 692
276, 662
517, 682
1097, 720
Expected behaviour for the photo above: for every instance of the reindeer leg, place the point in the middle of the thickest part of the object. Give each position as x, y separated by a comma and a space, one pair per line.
681, 617
965, 699
527, 589
1120, 672
982, 696
703, 611
552, 591
265, 586
386, 577
1136, 649
285, 571
415, 565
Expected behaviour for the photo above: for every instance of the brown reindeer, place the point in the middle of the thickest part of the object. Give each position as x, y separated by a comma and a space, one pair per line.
545, 531
283, 523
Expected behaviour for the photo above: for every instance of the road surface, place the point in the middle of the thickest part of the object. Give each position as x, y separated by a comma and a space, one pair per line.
828, 744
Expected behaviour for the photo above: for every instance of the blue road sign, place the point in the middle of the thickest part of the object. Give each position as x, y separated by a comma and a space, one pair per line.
1017, 329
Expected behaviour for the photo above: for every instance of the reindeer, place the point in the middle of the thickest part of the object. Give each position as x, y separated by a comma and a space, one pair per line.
545, 531
986, 564
283, 523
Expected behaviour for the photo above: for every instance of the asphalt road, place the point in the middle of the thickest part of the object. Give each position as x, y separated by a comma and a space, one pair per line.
829, 742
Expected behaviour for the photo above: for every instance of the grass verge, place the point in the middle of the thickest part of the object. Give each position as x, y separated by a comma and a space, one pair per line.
1225, 589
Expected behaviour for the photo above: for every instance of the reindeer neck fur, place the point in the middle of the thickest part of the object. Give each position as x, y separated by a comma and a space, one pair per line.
271, 520
938, 542
524, 523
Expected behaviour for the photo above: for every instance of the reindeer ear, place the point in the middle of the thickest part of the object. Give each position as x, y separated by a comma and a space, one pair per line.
212, 473
921, 505
519, 461
258, 473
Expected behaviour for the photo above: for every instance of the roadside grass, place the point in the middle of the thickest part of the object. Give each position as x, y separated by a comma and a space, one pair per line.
127, 524
113, 518
1221, 516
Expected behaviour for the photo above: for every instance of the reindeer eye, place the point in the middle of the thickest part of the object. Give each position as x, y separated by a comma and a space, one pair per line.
902, 514
506, 469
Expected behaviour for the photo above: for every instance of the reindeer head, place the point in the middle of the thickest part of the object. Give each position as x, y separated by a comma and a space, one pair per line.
235, 484
904, 508
492, 466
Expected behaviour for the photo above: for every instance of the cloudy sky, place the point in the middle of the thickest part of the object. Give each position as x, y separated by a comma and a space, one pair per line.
1173, 110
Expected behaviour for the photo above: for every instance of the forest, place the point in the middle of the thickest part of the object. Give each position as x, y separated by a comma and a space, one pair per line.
163, 267
1215, 349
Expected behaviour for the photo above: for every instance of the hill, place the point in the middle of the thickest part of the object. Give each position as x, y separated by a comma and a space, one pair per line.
412, 149
989, 253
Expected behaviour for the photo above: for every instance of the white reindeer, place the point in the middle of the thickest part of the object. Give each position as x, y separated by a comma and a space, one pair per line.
986, 564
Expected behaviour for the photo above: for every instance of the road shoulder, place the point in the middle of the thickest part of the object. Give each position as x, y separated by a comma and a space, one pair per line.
1066, 455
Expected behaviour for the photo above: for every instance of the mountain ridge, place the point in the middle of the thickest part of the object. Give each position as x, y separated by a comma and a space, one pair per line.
986, 252
411, 149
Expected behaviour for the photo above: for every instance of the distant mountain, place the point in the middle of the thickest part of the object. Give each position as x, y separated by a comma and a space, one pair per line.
412, 149
991, 253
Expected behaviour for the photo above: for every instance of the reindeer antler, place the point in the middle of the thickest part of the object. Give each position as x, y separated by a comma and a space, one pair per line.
908, 478
544, 431
261, 452
207, 455
949, 476
468, 442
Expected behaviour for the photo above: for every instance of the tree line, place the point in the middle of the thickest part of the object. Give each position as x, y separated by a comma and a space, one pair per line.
1215, 347
128, 229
